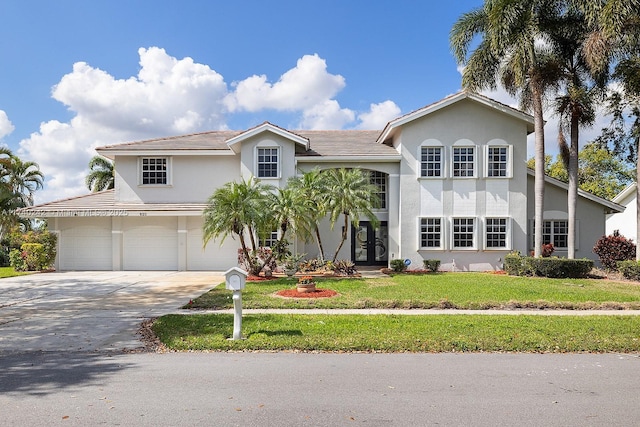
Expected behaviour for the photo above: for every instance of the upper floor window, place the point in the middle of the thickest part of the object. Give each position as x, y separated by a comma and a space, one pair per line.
379, 179
497, 161
464, 161
154, 171
431, 162
268, 162
431, 233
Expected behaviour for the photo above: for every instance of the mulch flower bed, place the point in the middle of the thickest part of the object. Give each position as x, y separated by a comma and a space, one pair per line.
318, 293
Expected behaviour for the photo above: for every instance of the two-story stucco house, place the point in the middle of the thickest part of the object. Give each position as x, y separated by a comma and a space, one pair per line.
452, 178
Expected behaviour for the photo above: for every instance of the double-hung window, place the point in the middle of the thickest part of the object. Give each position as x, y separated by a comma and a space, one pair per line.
463, 233
431, 233
556, 232
431, 162
496, 233
497, 161
268, 161
154, 171
464, 160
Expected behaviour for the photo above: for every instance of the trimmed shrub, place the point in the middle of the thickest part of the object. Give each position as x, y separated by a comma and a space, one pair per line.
517, 265
32, 258
613, 248
398, 265
630, 269
344, 267
431, 264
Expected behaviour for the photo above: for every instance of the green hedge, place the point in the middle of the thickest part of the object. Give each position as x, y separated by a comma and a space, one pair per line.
518, 265
629, 269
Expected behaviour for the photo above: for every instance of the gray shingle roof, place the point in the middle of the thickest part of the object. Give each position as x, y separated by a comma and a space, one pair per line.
322, 143
103, 204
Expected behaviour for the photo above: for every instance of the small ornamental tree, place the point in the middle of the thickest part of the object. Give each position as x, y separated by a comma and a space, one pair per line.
613, 248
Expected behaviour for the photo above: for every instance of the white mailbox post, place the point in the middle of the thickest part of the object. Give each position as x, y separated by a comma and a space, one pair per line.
235, 279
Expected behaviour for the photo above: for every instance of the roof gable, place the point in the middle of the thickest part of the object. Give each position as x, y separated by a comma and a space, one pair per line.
234, 142
393, 125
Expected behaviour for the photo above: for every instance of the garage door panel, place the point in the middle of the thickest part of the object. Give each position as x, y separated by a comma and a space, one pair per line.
213, 256
152, 247
86, 248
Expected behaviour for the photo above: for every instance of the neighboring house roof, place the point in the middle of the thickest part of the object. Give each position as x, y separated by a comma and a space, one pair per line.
612, 206
393, 125
103, 204
628, 191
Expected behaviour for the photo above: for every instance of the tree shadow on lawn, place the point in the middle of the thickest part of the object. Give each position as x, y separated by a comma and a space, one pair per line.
290, 333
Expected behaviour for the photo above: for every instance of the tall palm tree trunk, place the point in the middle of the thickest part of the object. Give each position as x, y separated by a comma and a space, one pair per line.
539, 169
344, 236
319, 241
572, 196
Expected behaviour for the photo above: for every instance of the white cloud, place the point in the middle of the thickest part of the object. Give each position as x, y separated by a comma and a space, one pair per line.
304, 87
379, 115
172, 96
327, 115
6, 127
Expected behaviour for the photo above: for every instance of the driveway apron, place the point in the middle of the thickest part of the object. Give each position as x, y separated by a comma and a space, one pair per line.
90, 311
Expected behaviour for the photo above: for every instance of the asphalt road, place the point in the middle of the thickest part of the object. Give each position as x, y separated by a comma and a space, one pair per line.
287, 389
61, 363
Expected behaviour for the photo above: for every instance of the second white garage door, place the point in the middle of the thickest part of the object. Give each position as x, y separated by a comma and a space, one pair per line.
150, 244
214, 256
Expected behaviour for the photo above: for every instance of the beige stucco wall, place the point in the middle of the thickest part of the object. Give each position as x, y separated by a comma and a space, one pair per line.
193, 179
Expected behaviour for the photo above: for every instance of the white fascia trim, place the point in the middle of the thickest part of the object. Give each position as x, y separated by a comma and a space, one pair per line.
267, 127
629, 189
348, 159
164, 153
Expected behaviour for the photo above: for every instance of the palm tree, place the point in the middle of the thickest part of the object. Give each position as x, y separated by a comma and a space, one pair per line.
616, 38
511, 50
576, 107
313, 186
101, 176
351, 195
237, 209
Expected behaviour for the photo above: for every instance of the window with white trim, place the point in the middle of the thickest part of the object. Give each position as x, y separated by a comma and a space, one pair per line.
556, 232
464, 160
268, 162
431, 162
496, 233
379, 179
497, 161
154, 171
431, 233
268, 239
463, 233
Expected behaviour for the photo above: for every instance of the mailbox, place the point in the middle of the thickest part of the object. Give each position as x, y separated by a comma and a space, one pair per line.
235, 278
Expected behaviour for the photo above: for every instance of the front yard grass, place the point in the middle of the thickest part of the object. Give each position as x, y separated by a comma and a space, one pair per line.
441, 290
433, 333
10, 272
397, 333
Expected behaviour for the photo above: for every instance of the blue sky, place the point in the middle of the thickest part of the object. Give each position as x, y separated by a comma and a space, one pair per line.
81, 74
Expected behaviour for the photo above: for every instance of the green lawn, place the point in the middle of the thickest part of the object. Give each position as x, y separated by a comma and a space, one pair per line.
444, 290
384, 333
10, 272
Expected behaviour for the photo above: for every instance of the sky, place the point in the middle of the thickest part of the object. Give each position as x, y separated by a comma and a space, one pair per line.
77, 75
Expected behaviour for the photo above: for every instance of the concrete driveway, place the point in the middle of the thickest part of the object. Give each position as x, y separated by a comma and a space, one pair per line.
90, 311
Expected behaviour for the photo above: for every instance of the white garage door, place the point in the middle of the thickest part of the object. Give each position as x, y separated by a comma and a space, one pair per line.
85, 247
152, 245
213, 257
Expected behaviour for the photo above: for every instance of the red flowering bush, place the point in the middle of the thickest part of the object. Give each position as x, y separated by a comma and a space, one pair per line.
613, 248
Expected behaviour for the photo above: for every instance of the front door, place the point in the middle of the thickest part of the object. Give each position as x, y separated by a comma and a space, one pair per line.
369, 245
